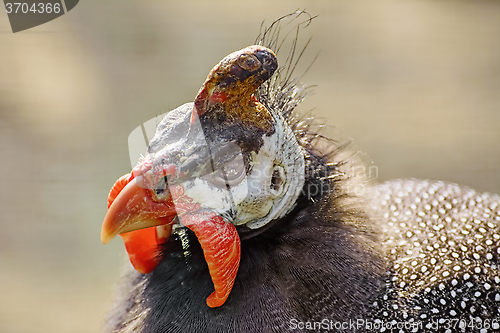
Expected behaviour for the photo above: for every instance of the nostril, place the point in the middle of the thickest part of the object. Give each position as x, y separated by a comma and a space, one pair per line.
161, 188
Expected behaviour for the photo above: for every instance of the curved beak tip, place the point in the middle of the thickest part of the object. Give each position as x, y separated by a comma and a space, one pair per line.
110, 228
106, 237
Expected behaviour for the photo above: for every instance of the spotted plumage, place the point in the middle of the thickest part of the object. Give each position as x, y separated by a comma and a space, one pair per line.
443, 243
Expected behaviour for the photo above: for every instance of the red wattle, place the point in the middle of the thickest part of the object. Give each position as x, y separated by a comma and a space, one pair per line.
118, 187
222, 250
143, 249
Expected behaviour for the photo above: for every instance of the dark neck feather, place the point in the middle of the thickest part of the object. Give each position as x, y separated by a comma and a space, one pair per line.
318, 262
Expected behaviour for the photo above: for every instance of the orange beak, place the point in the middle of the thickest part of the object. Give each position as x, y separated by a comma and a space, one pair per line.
133, 212
135, 209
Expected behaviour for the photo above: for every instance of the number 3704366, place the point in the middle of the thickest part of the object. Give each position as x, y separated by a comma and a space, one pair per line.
36, 8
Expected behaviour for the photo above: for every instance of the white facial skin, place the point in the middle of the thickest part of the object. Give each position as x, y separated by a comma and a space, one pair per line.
267, 192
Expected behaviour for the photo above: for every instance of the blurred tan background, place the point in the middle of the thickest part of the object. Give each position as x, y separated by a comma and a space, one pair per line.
416, 83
